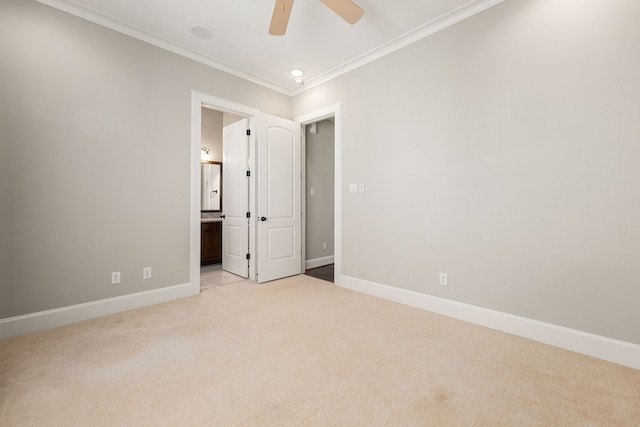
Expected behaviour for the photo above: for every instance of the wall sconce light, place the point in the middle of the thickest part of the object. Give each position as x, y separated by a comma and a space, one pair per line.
204, 154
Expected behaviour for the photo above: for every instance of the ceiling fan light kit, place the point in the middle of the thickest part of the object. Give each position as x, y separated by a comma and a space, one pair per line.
346, 9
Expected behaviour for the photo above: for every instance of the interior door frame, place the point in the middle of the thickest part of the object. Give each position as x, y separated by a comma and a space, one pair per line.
334, 111
198, 100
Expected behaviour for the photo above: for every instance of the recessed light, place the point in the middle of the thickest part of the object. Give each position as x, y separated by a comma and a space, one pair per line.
296, 73
201, 32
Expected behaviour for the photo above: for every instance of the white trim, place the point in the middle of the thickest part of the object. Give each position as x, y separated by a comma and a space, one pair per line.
440, 23
194, 186
611, 350
303, 198
33, 322
318, 262
334, 111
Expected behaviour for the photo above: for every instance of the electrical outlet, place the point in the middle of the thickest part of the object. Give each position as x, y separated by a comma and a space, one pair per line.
312, 192
443, 279
146, 273
324, 246
115, 278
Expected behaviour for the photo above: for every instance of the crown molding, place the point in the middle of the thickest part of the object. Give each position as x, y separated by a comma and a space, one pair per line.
159, 41
465, 11
461, 13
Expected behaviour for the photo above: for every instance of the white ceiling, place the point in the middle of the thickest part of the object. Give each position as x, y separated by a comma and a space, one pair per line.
317, 40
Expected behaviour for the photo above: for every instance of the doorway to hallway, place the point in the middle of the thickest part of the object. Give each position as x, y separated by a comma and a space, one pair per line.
324, 273
319, 178
332, 114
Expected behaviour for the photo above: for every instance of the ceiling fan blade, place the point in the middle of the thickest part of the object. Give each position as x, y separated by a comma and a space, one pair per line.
346, 9
280, 18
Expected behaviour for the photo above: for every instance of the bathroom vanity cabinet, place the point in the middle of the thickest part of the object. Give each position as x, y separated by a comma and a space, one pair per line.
210, 242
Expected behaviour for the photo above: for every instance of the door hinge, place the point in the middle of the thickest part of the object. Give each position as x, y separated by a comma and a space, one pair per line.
248, 256
248, 173
248, 132
248, 214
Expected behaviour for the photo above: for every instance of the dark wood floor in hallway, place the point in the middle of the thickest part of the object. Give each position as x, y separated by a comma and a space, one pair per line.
325, 272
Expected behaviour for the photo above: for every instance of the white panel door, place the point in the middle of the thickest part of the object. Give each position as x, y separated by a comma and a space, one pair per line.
235, 199
279, 204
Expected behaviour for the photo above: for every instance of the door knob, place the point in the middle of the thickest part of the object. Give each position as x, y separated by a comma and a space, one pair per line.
222, 216
263, 218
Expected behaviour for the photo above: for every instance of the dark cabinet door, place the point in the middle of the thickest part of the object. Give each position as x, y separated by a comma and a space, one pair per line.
211, 243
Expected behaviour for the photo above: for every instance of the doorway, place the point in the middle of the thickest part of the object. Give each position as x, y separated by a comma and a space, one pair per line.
217, 267
199, 99
319, 186
333, 115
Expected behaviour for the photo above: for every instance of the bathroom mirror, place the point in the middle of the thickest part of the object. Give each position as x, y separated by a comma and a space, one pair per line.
210, 186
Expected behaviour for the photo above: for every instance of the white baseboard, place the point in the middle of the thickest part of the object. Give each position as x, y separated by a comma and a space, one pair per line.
318, 262
33, 322
611, 350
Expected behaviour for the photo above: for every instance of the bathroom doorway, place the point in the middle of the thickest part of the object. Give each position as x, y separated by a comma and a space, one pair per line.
212, 270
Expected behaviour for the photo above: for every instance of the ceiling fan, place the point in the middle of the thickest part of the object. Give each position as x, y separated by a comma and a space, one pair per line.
346, 9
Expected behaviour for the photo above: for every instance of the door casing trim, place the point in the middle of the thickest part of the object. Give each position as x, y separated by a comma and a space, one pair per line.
198, 100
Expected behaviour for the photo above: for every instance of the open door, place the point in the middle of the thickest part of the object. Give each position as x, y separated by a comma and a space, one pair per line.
279, 199
235, 203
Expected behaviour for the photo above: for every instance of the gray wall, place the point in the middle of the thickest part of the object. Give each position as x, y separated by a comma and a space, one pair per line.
319, 173
94, 158
502, 151
229, 118
211, 128
213, 121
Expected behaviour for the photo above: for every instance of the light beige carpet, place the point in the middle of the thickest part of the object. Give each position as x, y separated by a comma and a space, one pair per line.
301, 352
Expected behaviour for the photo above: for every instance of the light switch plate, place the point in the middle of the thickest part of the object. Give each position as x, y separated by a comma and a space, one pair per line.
353, 188
361, 187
